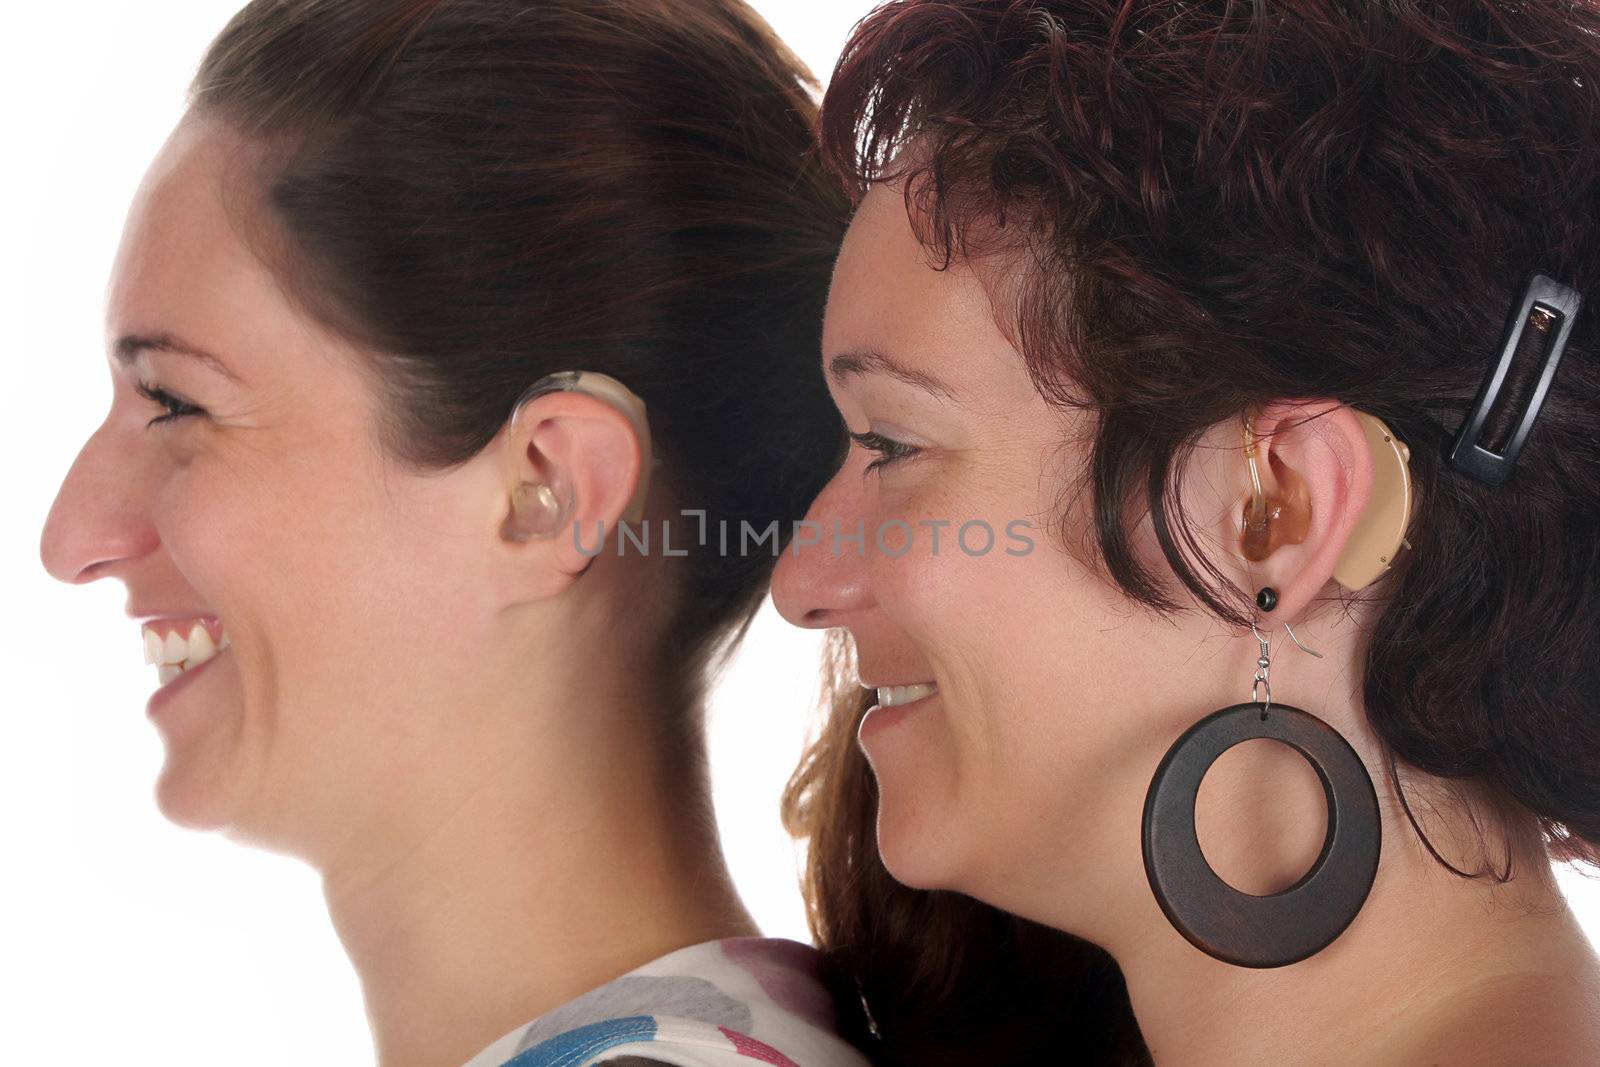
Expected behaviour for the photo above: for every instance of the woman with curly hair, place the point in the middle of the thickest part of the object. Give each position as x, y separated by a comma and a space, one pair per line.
1219, 541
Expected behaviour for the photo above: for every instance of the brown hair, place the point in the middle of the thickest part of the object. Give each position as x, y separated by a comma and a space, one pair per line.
1217, 205
481, 192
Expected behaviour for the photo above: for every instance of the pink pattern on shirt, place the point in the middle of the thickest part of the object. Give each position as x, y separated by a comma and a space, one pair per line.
756, 1050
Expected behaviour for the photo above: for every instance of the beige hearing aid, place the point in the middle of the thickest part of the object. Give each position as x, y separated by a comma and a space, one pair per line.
1380, 529
540, 510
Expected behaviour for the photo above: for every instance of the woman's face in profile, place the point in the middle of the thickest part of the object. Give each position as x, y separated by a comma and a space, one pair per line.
272, 510
1052, 693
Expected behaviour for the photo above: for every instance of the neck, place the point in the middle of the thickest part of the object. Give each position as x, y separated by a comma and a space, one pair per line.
556, 865
1424, 942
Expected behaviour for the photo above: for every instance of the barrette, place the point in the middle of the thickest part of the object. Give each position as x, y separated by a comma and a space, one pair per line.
1489, 440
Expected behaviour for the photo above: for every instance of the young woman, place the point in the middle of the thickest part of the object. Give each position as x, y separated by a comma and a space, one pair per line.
417, 303
1205, 334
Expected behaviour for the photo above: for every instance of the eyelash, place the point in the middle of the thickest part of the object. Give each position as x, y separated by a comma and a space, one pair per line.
176, 409
888, 449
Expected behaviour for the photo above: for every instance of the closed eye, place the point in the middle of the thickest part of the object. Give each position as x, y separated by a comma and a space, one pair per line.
176, 409
888, 449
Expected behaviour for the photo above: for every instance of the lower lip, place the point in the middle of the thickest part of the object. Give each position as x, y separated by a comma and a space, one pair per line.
880, 718
165, 695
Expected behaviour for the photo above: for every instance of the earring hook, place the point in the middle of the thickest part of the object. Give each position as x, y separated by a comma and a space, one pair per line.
1262, 678
1296, 640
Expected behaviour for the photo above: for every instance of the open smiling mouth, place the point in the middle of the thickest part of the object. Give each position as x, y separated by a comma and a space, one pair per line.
890, 696
182, 649
895, 704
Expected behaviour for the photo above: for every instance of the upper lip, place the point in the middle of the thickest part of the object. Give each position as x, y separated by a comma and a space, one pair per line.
891, 685
156, 616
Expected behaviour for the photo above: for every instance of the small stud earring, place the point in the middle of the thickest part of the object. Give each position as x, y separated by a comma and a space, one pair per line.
1267, 599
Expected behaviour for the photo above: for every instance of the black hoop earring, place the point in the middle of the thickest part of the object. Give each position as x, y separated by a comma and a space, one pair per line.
1242, 928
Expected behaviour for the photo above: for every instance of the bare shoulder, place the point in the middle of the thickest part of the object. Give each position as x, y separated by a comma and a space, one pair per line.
1529, 1021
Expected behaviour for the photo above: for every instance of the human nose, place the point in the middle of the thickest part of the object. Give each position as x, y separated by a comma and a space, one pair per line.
98, 515
822, 578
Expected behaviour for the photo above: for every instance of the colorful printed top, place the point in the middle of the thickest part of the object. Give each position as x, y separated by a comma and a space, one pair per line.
738, 1002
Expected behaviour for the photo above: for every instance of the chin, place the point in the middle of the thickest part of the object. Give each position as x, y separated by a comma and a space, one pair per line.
192, 798
916, 851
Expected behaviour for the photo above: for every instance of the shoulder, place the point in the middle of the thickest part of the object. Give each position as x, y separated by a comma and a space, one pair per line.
725, 1003
1532, 1021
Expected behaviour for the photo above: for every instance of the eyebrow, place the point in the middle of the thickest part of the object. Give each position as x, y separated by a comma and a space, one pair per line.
868, 361
127, 349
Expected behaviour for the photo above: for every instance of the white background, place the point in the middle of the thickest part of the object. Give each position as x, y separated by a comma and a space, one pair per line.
120, 935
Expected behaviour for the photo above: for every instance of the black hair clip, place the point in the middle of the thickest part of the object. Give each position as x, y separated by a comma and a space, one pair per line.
1488, 442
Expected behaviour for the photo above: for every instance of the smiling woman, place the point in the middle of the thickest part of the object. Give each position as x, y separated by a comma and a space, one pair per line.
1224, 297
414, 292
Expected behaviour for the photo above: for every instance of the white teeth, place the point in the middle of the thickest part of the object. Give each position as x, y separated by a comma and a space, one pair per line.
890, 695
175, 654
201, 647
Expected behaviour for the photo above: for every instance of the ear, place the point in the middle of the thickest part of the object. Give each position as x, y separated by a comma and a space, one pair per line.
1316, 472
590, 456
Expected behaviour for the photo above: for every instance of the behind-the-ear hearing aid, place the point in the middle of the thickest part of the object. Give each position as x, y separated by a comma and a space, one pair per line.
541, 509
1380, 530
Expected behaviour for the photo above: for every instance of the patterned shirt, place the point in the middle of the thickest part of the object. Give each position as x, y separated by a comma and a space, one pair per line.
737, 1002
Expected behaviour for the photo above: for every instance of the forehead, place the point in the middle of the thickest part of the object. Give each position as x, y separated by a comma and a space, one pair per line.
182, 265
889, 295
882, 262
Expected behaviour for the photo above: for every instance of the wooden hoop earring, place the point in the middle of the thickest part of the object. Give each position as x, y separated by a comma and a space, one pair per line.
1241, 928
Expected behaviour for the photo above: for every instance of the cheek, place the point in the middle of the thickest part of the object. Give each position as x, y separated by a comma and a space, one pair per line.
396, 562
961, 613
285, 548
1016, 633
216, 527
